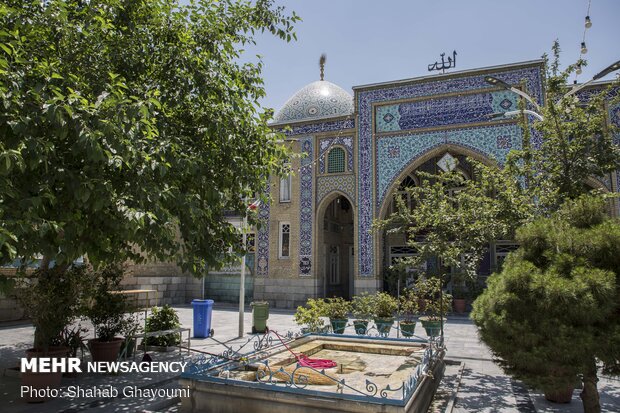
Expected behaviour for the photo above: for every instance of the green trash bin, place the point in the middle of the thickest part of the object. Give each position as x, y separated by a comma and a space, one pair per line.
260, 314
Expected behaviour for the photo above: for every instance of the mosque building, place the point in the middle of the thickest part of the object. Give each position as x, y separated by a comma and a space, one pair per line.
359, 151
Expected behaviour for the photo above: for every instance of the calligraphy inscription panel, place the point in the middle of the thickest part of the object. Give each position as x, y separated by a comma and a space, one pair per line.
447, 111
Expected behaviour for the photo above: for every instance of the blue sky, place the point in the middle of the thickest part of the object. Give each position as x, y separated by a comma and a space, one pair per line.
368, 41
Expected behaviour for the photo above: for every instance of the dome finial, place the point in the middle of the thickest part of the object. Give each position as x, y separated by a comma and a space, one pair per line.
322, 64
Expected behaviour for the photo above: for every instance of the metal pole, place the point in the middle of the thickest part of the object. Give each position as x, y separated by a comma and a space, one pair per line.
242, 279
441, 307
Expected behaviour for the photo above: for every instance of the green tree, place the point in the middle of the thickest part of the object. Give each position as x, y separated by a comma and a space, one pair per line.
128, 127
456, 227
553, 310
576, 140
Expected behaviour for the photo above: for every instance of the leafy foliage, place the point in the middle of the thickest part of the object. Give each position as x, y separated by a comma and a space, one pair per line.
409, 304
120, 122
362, 306
52, 298
310, 314
436, 302
161, 319
107, 309
385, 305
577, 141
336, 308
457, 227
554, 307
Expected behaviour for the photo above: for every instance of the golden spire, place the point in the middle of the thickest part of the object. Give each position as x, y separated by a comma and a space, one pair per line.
322, 65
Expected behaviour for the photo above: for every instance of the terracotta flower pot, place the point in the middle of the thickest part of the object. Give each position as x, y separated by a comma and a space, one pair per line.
459, 305
105, 350
41, 381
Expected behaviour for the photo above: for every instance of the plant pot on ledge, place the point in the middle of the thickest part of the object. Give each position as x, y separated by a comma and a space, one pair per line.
384, 325
407, 328
432, 325
105, 350
40, 381
360, 326
338, 325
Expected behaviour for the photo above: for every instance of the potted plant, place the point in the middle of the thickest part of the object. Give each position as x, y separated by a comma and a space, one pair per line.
107, 313
162, 319
437, 304
337, 309
362, 308
409, 311
384, 308
72, 338
309, 316
51, 298
132, 327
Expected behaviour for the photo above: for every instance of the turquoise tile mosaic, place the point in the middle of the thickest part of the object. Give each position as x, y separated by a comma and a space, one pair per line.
437, 89
395, 153
327, 184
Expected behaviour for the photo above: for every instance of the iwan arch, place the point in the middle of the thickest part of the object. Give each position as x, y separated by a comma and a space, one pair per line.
358, 150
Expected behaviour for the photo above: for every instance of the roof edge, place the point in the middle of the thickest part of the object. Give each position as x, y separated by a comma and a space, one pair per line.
537, 62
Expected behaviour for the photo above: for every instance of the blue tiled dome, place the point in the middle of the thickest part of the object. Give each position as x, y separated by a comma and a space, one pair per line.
320, 99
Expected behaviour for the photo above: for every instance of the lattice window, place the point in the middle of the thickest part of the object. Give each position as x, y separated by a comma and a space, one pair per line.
285, 239
502, 249
335, 161
285, 187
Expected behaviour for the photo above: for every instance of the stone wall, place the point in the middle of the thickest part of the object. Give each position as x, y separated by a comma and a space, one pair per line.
284, 292
10, 309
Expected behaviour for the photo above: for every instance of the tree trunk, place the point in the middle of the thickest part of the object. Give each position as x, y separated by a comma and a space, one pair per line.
589, 394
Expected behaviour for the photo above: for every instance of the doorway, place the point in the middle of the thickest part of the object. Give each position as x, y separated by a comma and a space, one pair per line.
337, 240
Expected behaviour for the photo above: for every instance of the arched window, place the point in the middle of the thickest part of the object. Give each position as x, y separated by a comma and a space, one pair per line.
335, 161
408, 182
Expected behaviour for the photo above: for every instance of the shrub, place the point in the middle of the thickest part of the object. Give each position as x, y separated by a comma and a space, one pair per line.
409, 304
362, 306
336, 308
385, 305
310, 314
161, 319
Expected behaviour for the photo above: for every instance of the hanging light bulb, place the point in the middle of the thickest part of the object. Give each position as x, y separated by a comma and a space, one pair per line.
584, 49
578, 71
588, 22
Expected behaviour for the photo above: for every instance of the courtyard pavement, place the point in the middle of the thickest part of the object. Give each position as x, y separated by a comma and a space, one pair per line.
473, 382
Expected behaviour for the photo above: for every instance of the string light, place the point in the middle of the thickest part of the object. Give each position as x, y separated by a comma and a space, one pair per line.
583, 49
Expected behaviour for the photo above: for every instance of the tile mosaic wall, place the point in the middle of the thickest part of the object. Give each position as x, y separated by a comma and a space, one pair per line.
366, 166
262, 248
329, 183
451, 110
331, 126
326, 144
493, 142
306, 211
